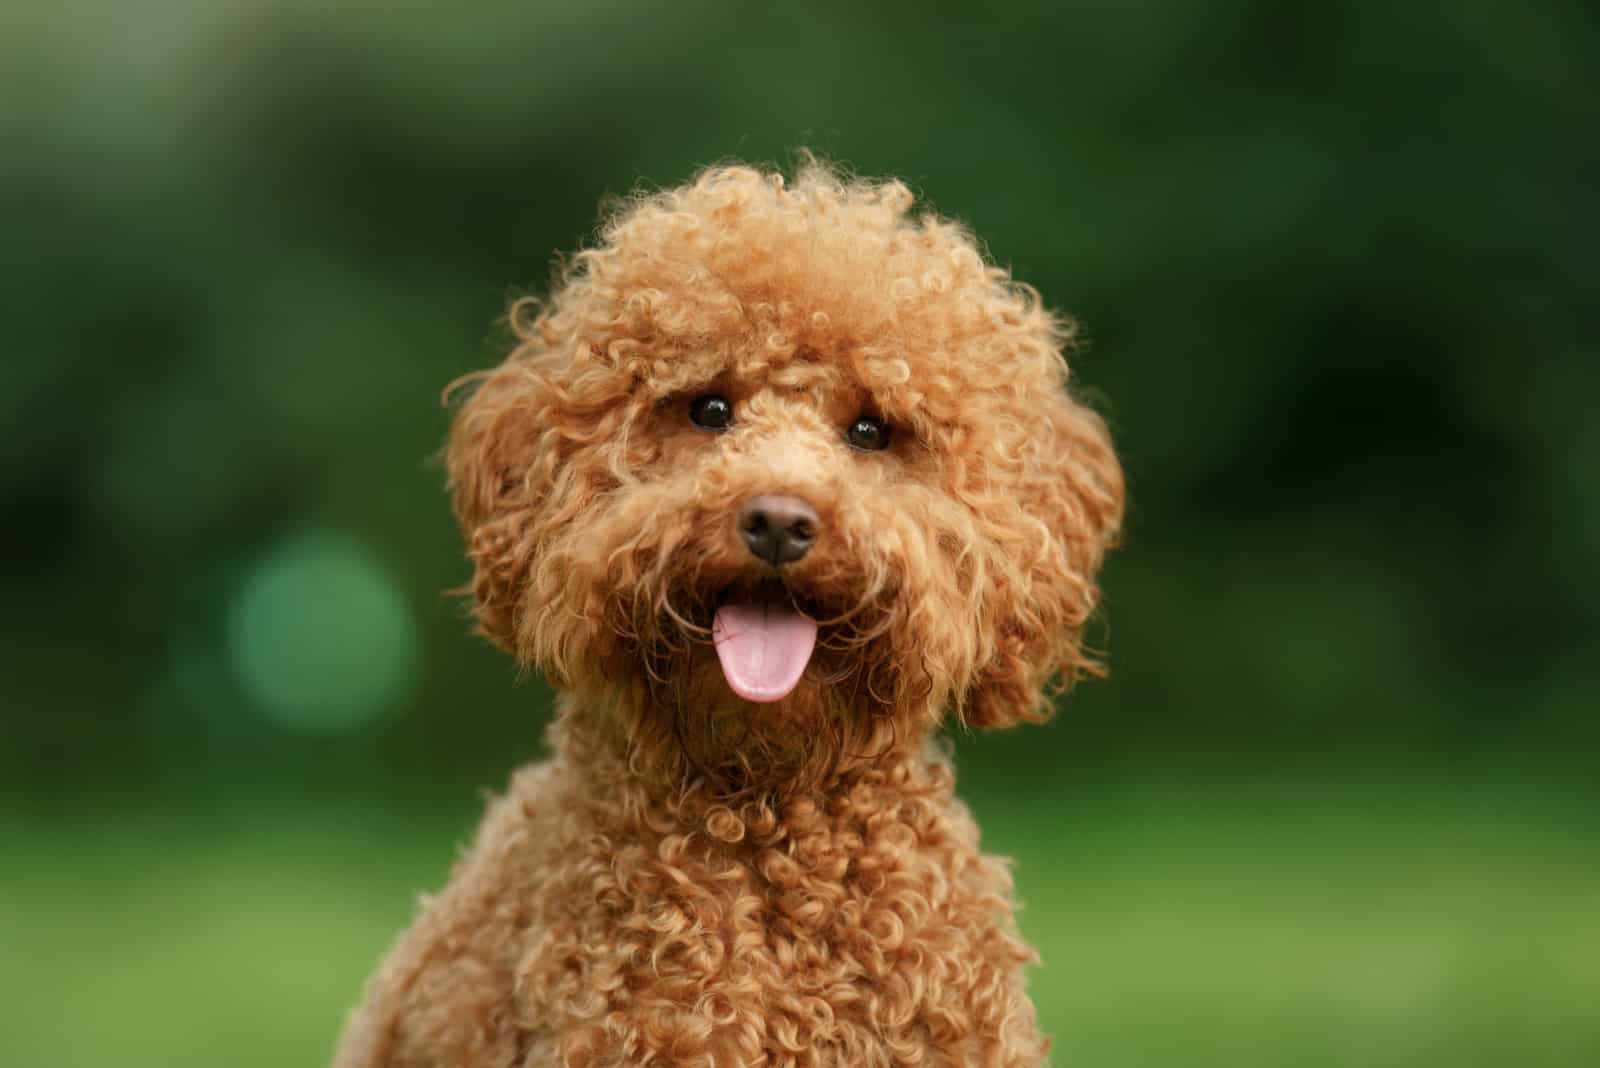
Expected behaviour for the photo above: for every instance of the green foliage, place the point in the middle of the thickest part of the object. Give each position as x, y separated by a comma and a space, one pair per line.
1334, 262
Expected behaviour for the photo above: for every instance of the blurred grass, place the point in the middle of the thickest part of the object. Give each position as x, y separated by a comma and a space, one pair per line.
1403, 916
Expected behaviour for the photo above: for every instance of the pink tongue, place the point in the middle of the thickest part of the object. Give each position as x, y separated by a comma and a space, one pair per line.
763, 648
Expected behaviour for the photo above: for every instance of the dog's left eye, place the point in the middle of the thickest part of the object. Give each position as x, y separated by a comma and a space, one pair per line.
868, 434
711, 412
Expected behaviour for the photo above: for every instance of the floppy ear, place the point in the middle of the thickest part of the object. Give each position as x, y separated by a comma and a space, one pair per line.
1071, 489
496, 484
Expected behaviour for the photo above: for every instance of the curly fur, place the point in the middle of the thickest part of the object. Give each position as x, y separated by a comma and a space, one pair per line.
693, 879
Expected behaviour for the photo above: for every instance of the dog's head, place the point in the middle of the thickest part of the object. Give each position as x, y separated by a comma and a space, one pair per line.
784, 461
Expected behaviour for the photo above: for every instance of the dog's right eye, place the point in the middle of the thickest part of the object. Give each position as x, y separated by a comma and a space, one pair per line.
711, 412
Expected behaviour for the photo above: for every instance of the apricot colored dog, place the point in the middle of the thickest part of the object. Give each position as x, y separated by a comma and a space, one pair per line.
781, 476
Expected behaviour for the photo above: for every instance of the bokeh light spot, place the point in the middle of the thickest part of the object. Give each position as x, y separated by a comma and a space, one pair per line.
320, 636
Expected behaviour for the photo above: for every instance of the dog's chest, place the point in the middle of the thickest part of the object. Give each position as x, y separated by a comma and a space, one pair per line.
869, 936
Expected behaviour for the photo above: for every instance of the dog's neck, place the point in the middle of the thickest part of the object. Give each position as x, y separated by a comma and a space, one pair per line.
719, 756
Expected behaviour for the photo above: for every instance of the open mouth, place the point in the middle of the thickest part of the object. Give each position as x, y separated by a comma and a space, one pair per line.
763, 643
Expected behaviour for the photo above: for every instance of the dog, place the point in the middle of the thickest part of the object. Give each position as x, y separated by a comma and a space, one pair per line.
783, 475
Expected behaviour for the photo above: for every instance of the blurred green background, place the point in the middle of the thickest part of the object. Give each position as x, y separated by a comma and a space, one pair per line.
1338, 804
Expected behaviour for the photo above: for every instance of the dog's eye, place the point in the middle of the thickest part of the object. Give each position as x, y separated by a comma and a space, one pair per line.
711, 412
868, 434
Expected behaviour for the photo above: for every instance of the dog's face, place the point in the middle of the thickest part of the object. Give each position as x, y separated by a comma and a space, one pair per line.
790, 460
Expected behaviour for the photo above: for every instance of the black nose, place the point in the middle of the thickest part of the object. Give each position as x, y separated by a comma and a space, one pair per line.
779, 530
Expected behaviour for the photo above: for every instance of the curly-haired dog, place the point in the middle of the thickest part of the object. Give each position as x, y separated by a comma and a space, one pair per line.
781, 475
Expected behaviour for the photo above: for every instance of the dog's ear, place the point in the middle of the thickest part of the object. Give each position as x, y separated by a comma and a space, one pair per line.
1071, 501
495, 484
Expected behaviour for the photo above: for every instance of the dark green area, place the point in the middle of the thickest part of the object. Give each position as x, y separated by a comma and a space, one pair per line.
1336, 264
